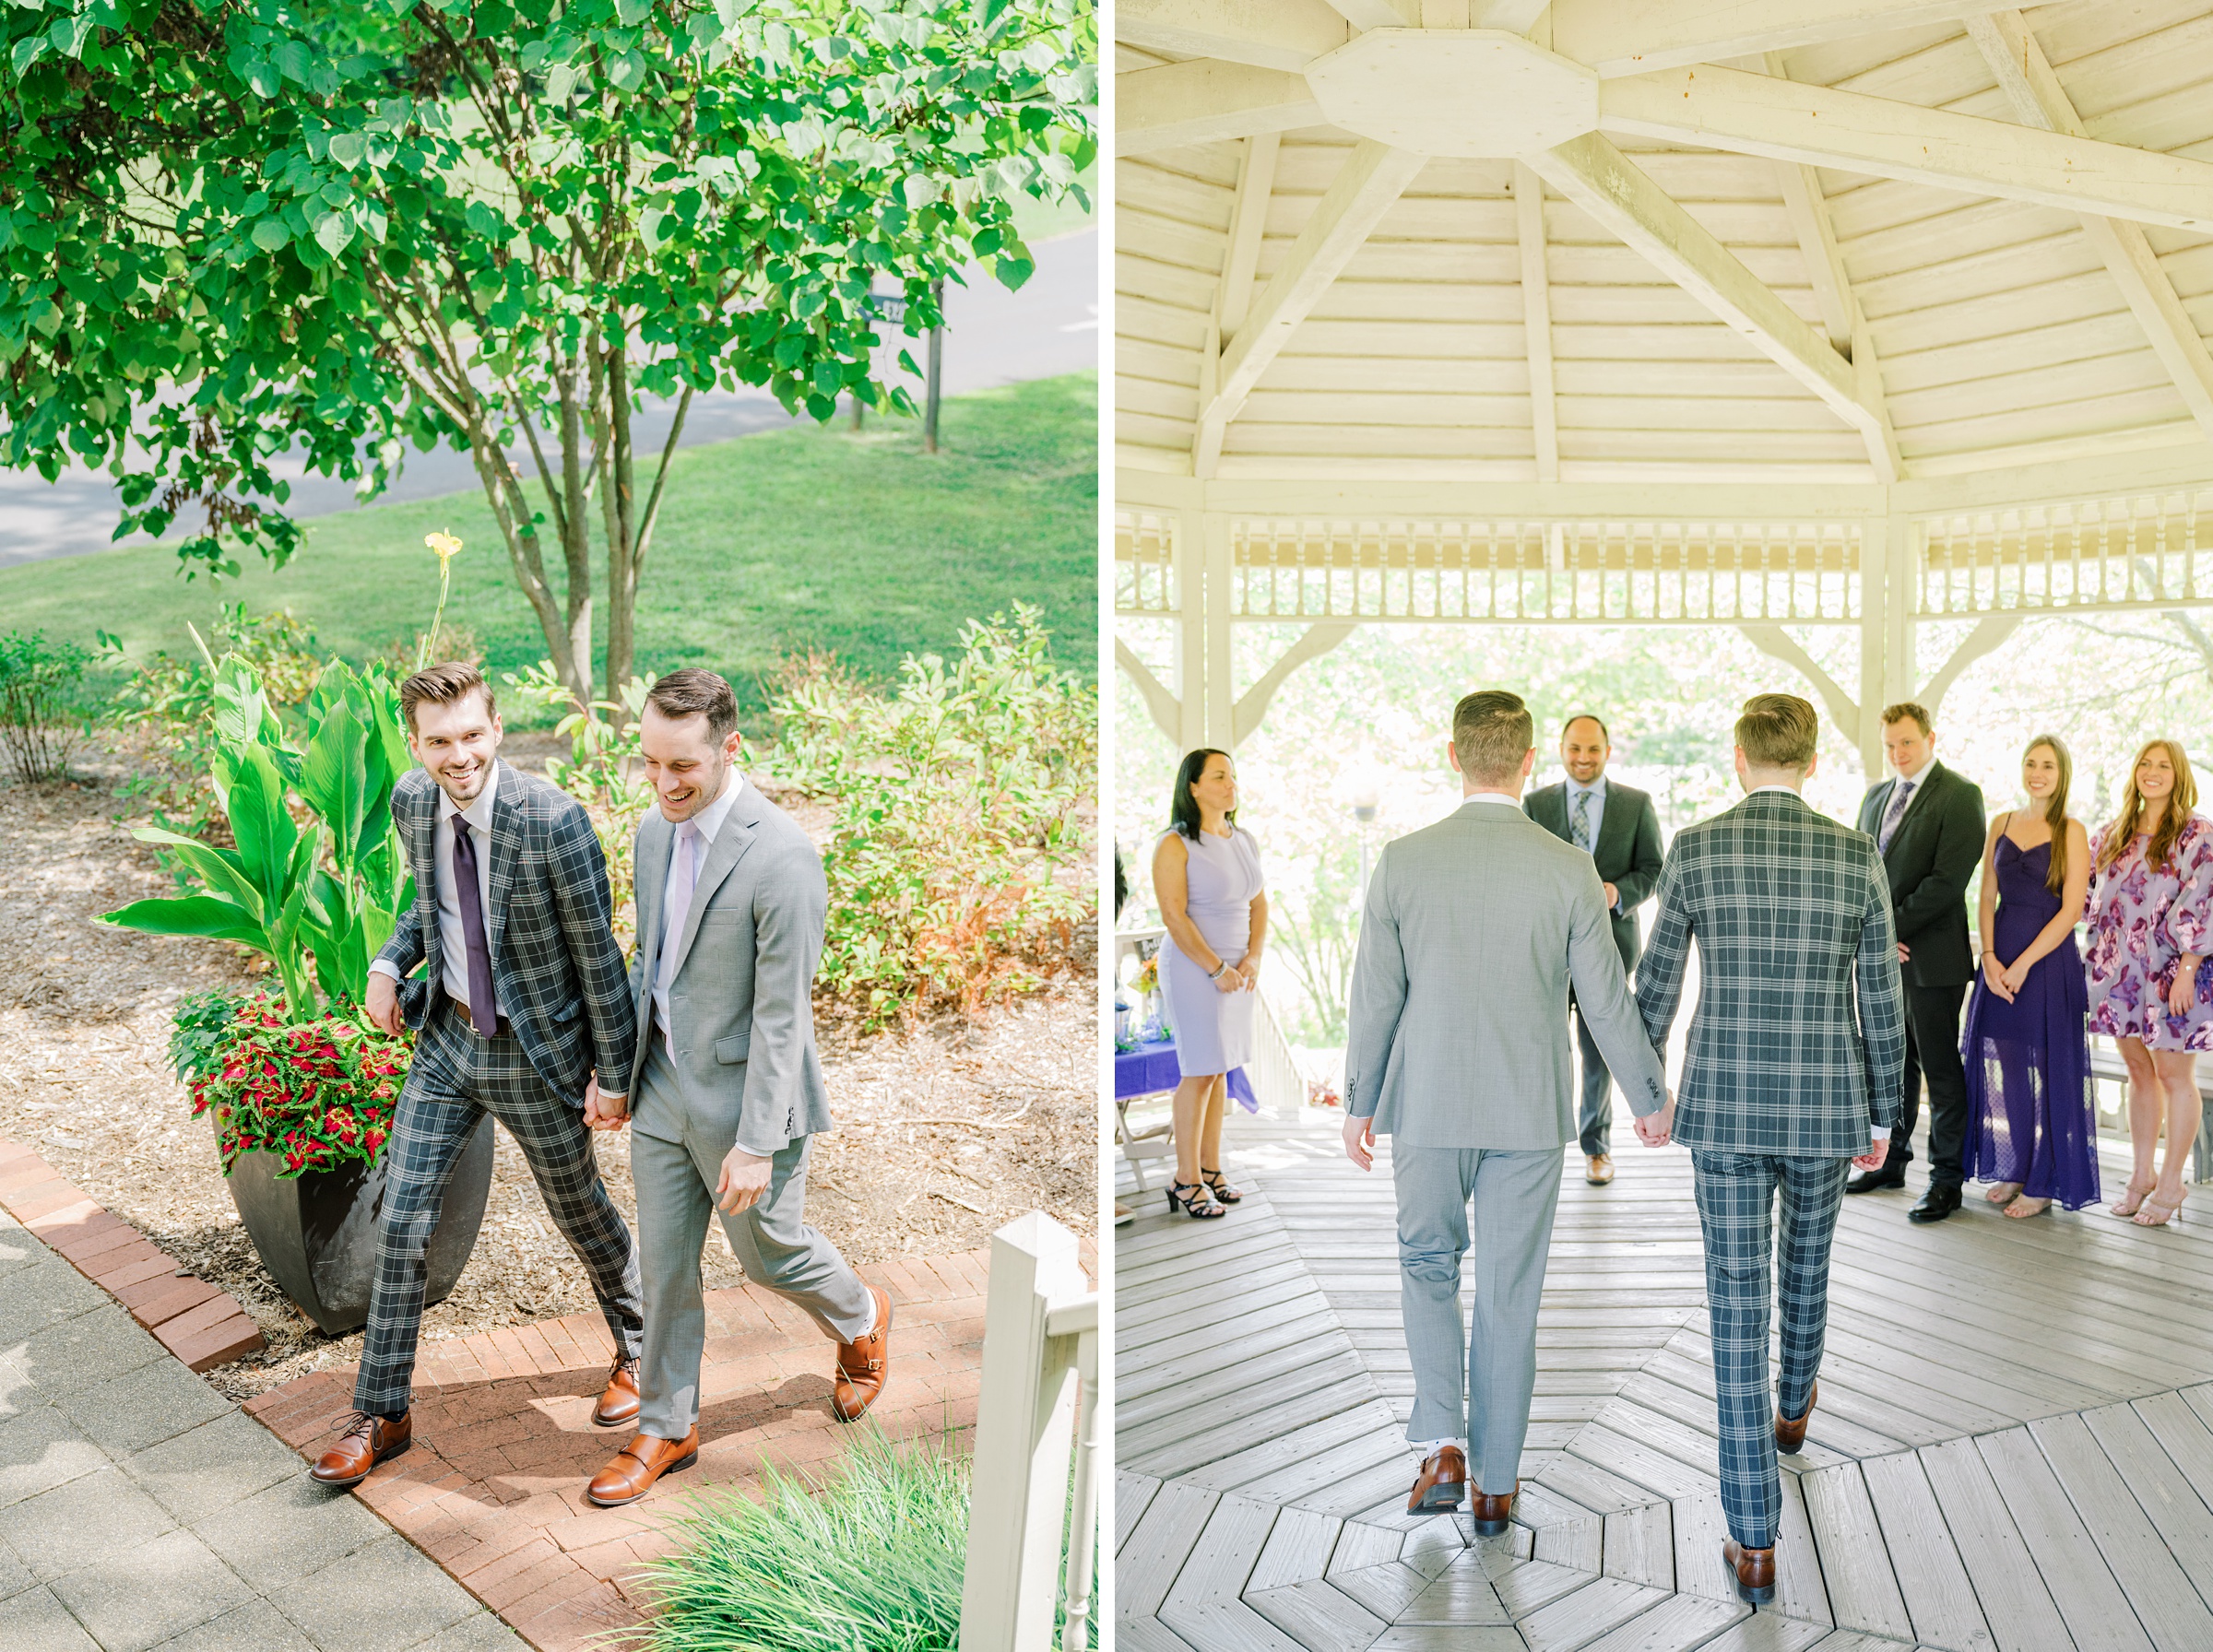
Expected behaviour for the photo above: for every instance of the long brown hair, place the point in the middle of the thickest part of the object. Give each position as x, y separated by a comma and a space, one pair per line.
2183, 800
2055, 811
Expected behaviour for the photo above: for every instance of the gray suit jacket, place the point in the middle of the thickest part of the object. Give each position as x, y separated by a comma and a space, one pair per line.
742, 996
1473, 931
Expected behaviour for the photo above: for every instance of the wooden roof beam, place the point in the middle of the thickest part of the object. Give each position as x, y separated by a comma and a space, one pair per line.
2024, 73
1206, 101
1267, 34
1536, 320
1380, 14
1601, 180
1634, 37
1374, 176
1716, 108
1233, 293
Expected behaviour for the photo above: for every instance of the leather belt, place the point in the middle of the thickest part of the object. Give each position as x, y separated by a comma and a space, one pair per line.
504, 1030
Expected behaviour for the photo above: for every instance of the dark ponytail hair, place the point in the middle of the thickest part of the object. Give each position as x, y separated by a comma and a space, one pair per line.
1183, 808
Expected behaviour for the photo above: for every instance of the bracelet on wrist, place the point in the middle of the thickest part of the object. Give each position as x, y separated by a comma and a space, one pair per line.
1216, 974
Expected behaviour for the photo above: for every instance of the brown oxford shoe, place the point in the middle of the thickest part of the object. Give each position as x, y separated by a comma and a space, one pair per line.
632, 1471
1441, 1484
1493, 1514
1599, 1170
1789, 1435
367, 1441
619, 1400
1755, 1570
860, 1364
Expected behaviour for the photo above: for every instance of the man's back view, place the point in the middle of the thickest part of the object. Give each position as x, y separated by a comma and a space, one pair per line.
1786, 1082
1458, 1049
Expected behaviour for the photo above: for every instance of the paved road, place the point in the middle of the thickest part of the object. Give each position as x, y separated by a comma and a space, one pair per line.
992, 336
139, 1509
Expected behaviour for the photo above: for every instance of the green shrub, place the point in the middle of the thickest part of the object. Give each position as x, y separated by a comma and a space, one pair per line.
868, 1561
959, 803
40, 722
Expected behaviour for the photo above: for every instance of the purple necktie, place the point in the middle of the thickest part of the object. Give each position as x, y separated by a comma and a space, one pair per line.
1894, 814
481, 1008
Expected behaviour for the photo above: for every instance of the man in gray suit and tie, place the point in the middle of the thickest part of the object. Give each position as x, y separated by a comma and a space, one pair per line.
1473, 931
727, 1083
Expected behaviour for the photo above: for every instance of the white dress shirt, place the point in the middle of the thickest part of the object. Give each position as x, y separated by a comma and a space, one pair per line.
452, 943
1511, 802
709, 820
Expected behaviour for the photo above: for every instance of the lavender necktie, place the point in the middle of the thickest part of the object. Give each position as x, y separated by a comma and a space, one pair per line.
482, 1009
679, 898
1895, 813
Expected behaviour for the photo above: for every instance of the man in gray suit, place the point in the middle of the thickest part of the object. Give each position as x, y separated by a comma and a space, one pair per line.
727, 1083
1791, 1075
1475, 929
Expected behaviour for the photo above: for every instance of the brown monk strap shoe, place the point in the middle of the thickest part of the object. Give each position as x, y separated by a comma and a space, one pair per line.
619, 1400
630, 1475
1755, 1570
1789, 1435
366, 1441
1600, 1170
1441, 1484
1493, 1513
860, 1364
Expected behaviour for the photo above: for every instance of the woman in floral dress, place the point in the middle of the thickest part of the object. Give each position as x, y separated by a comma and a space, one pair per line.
2150, 914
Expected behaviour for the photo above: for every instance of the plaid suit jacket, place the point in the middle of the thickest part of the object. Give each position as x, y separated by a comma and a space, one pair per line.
1792, 912
556, 965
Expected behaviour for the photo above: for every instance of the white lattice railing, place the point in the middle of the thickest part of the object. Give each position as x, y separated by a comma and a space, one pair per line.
1037, 1416
2146, 551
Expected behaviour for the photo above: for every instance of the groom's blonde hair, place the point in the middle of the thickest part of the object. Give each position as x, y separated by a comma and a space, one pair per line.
1778, 731
1491, 732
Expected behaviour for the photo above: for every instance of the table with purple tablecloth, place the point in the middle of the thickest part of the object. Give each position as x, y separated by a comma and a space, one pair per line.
1151, 1068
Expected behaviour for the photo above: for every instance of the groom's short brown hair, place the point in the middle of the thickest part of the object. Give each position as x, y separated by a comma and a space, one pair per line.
1491, 732
695, 691
1778, 731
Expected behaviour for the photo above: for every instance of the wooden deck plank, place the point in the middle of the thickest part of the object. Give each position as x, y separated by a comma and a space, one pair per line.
1223, 1556
1674, 1624
1228, 1626
1296, 1444
2135, 1546
2090, 1600
2175, 1508
2015, 1602
1578, 1619
1462, 1594
1318, 1617
1217, 1428
1298, 1547
1146, 1566
1855, 1561
1528, 1586
1147, 1634
1700, 1530
1386, 1591
1765, 1632
1800, 1591
1639, 1544
1932, 1578
1360, 1544
1133, 1493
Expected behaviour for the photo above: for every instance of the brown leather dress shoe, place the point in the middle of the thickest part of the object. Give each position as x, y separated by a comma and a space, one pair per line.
1789, 1435
860, 1364
1755, 1570
619, 1400
367, 1441
630, 1475
1441, 1484
1599, 1170
1493, 1514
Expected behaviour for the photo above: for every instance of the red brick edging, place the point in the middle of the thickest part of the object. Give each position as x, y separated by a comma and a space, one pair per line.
202, 1326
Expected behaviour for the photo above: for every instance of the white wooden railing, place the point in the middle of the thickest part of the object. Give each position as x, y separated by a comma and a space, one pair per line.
1041, 1380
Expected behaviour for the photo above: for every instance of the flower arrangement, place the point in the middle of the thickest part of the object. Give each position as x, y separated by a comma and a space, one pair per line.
317, 1093
1147, 980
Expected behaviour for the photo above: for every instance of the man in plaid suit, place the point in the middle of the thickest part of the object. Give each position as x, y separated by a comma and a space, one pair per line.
1786, 1083
523, 1000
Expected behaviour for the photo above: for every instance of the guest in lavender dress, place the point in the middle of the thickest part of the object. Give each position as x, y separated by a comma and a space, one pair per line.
2035, 1129
1206, 875
2151, 909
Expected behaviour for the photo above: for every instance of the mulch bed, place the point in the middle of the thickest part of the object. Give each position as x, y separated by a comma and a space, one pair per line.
947, 1130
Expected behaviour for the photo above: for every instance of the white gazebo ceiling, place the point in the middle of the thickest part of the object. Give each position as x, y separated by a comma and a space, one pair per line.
1712, 241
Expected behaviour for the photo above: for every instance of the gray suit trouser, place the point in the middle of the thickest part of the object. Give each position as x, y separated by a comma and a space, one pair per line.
1512, 1197
675, 1181
1594, 1123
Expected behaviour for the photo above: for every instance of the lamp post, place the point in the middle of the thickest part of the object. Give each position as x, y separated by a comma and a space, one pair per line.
1364, 796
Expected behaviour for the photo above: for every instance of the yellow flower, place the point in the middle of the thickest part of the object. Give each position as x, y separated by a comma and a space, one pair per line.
445, 545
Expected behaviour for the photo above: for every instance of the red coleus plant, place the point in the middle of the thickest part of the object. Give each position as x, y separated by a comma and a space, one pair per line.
317, 1093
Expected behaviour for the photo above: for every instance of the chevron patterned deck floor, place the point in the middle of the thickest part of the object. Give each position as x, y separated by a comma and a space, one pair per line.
2013, 1450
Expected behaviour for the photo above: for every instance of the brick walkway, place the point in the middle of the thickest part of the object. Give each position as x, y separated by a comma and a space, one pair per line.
493, 1487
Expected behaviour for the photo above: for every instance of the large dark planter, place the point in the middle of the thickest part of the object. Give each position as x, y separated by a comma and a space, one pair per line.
316, 1232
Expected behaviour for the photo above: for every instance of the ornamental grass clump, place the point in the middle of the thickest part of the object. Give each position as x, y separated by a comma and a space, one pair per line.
317, 1094
870, 1559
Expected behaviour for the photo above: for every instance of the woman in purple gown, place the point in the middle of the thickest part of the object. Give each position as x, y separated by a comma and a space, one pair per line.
2028, 1055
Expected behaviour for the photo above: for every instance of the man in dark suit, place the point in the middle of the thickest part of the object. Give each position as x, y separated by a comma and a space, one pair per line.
1618, 827
1928, 823
523, 999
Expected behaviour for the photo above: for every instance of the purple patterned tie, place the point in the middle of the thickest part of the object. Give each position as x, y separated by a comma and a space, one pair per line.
1894, 814
482, 1009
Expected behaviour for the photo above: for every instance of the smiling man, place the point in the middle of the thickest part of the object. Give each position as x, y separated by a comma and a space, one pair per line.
730, 1091
521, 1002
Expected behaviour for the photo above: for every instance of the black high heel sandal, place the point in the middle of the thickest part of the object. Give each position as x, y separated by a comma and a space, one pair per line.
1197, 1204
1224, 1193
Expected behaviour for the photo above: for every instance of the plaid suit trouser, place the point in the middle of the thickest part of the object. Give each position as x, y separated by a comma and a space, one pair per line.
456, 1079
1736, 1195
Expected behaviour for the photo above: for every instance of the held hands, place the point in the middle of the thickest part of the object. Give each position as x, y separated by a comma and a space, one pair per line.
1655, 1130
1229, 979
603, 1112
1996, 977
1360, 1141
381, 1002
744, 1179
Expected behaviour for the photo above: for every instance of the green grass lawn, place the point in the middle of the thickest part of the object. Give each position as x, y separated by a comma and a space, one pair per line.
768, 545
